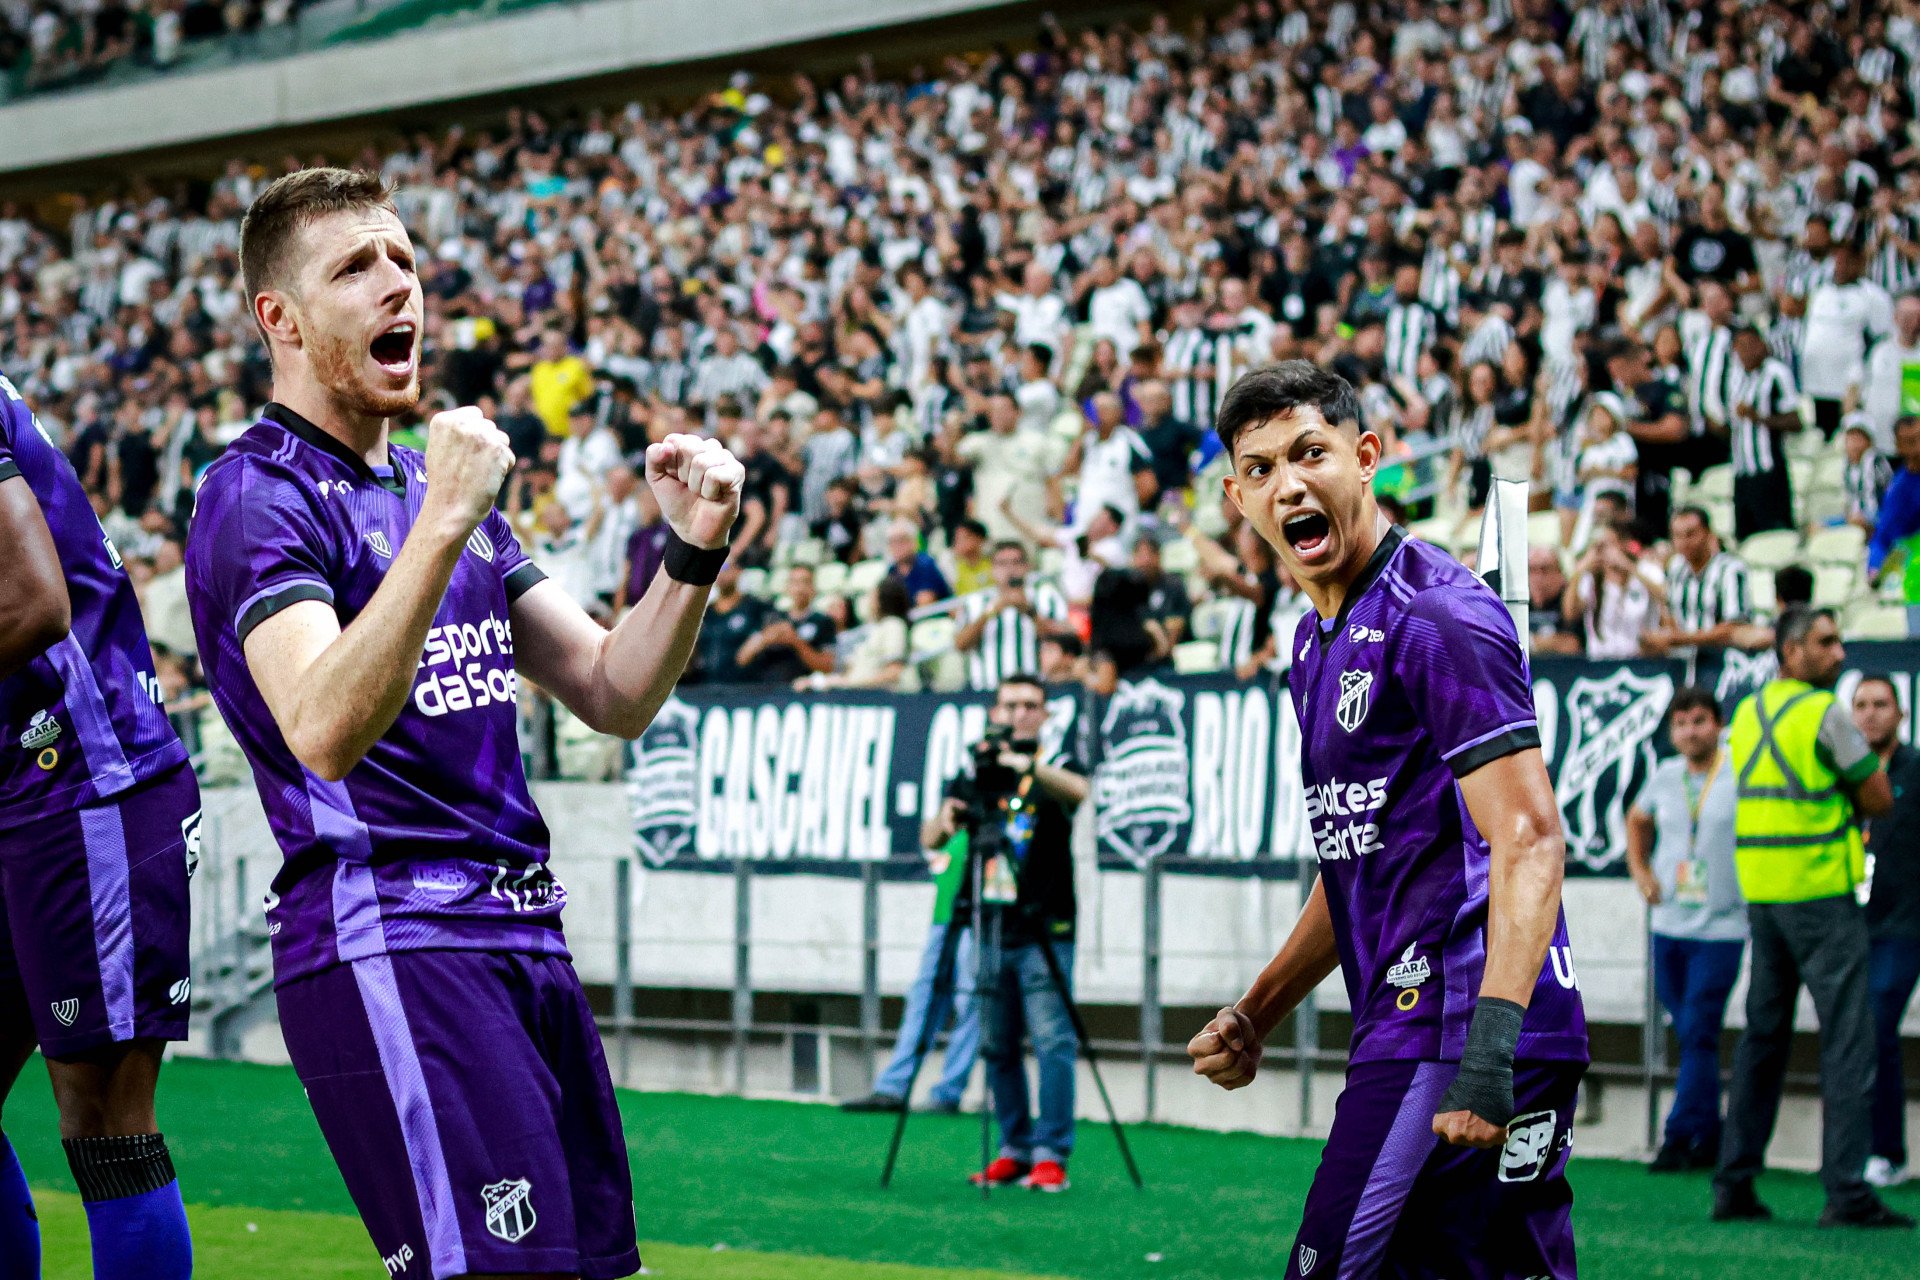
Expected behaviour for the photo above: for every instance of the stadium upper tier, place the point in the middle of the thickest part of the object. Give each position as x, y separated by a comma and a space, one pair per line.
341, 59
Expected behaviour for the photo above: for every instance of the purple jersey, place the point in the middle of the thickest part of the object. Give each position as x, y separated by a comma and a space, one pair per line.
82, 722
1420, 680
432, 840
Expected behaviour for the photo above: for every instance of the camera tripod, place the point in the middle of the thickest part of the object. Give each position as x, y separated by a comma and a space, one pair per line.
986, 926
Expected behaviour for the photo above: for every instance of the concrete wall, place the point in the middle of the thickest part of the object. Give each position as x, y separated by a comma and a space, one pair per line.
551, 44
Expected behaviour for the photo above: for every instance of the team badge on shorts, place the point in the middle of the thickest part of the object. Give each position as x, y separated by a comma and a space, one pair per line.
509, 1208
190, 837
1308, 1256
1356, 688
65, 1011
1529, 1143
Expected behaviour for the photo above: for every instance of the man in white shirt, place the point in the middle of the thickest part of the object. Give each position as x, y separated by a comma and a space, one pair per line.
586, 455
621, 509
1844, 317
1011, 467
924, 329
1889, 365
1114, 464
1527, 178
1039, 314
1117, 308
1038, 398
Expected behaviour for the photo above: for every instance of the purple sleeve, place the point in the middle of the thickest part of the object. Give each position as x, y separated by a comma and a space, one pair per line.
517, 572
8, 467
1461, 667
264, 548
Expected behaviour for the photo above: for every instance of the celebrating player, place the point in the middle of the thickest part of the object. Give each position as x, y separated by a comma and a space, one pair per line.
101, 816
364, 610
1440, 856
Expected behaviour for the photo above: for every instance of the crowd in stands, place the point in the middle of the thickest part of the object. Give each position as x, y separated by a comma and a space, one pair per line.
967, 328
48, 43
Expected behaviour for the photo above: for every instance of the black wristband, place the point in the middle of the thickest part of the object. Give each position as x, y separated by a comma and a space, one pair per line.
696, 566
1484, 1085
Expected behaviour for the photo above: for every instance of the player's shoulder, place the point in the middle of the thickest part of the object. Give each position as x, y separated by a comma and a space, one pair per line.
1427, 585
261, 471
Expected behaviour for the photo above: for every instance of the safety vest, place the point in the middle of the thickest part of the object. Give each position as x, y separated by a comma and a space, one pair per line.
1795, 838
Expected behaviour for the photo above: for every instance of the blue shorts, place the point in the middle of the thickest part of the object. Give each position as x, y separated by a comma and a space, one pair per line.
1392, 1200
93, 918
466, 1099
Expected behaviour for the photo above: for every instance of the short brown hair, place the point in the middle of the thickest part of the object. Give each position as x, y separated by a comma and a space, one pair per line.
291, 203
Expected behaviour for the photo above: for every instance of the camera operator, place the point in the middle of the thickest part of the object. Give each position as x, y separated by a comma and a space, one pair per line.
1018, 811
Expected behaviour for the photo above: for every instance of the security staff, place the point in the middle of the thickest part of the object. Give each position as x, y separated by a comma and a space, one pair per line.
1797, 758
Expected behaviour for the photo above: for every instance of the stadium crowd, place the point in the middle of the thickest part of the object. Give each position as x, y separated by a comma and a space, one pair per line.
967, 327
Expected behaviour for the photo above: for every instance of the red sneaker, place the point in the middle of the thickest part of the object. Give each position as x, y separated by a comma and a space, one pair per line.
1048, 1175
1003, 1172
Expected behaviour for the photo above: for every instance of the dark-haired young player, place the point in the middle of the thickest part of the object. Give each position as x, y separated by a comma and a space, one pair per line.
99, 824
363, 612
1440, 854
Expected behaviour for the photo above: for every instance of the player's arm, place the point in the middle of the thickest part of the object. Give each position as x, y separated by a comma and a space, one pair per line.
616, 680
1227, 1050
35, 611
1512, 804
334, 693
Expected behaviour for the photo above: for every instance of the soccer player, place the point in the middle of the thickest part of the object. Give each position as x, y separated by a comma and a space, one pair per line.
99, 828
1440, 857
364, 613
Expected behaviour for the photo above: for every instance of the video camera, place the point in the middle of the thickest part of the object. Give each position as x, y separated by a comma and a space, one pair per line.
993, 781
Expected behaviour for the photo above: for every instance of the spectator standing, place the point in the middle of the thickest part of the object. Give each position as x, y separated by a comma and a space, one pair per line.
1893, 920
1680, 853
1114, 465
1011, 469
1892, 379
1763, 405
1707, 598
765, 499
590, 450
616, 518
1170, 441
1036, 398
1845, 316
557, 381
1168, 604
733, 617
1803, 769
1001, 628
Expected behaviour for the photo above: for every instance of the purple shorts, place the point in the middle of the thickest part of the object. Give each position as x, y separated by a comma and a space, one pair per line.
93, 918
1392, 1200
466, 1100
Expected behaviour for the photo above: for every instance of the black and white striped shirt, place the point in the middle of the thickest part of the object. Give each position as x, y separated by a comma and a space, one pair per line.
1710, 366
1768, 391
1411, 329
1865, 483
1488, 342
1440, 282
1704, 598
1186, 352
1010, 642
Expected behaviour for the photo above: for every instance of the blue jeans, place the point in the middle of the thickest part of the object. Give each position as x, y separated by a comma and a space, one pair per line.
1893, 972
925, 1006
1023, 1001
1693, 979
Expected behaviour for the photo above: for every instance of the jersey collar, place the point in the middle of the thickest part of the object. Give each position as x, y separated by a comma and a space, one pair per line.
1376, 563
396, 479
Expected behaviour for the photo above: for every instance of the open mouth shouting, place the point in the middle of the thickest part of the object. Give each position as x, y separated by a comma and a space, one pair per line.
1308, 534
393, 349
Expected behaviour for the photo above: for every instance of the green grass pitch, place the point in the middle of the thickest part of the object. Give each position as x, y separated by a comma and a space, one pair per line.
736, 1190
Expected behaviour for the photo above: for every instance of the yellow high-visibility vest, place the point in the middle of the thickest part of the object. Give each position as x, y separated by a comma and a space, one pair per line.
1795, 838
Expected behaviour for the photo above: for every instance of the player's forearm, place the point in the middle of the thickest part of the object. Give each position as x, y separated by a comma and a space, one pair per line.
1308, 956
1523, 907
641, 660
351, 694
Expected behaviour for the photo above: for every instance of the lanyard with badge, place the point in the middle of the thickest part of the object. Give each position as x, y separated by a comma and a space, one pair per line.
1001, 885
1690, 877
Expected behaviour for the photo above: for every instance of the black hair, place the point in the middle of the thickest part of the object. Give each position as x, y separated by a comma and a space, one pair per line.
1792, 584
1009, 544
973, 527
1795, 622
891, 600
1027, 678
1691, 697
1881, 677
1697, 512
1280, 389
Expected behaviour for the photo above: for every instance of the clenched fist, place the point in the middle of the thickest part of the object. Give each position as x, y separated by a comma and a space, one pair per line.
1227, 1051
697, 483
468, 459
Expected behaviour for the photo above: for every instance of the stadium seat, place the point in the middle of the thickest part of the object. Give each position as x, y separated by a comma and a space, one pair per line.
1543, 529
830, 579
1843, 544
1801, 470
754, 582
1720, 512
1806, 446
931, 637
1051, 560
864, 577
1714, 485
1832, 585
1830, 472
806, 551
1822, 507
1876, 621
1196, 657
1208, 619
1760, 597
1765, 552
